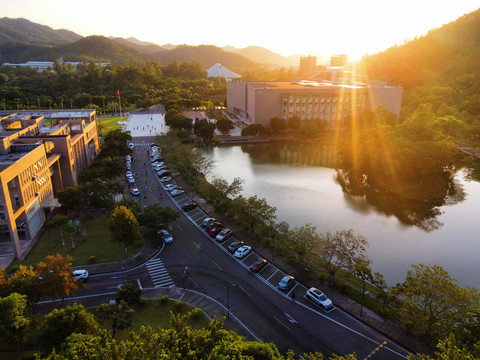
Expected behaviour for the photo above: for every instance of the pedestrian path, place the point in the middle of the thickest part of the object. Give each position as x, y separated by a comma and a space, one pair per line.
159, 275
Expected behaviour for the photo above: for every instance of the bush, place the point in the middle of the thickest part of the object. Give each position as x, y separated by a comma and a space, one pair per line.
92, 259
196, 313
178, 306
164, 299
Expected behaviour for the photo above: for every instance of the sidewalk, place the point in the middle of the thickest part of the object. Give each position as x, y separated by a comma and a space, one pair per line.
389, 329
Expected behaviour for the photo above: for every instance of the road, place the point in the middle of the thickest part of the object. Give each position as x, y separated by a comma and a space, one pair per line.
254, 299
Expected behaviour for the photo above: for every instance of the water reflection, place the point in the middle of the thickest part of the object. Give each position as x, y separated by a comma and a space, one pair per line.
358, 193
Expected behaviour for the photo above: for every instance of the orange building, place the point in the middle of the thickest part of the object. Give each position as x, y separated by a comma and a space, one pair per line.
37, 160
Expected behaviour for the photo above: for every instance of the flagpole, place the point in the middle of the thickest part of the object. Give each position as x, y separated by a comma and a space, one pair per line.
120, 105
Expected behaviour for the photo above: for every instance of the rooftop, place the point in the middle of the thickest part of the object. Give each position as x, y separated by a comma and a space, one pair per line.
7, 160
304, 84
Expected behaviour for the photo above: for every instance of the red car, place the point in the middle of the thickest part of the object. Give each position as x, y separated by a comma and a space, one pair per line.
213, 225
214, 231
258, 265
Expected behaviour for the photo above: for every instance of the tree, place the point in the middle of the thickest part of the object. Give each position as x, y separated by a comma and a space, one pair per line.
13, 321
131, 204
432, 303
115, 144
73, 198
229, 190
277, 124
73, 227
254, 211
224, 125
156, 217
303, 241
341, 250
206, 132
61, 222
129, 294
253, 130
112, 167
450, 349
59, 324
56, 276
294, 122
120, 314
25, 281
124, 226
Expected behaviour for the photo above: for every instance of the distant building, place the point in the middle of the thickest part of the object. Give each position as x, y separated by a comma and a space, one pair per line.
41, 66
339, 60
218, 70
36, 161
258, 102
308, 65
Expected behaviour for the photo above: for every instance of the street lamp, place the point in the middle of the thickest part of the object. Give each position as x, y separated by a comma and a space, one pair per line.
184, 275
229, 285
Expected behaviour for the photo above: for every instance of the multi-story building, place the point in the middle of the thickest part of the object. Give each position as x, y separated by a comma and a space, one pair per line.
258, 102
37, 160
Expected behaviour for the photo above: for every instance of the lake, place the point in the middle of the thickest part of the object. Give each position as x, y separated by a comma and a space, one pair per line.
300, 181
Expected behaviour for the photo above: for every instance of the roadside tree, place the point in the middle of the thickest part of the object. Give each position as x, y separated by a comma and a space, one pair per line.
225, 125
119, 314
124, 226
341, 250
14, 322
156, 217
254, 211
56, 276
129, 294
432, 304
277, 124
25, 282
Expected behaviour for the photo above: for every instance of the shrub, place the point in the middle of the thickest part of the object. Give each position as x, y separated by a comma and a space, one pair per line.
178, 306
164, 299
92, 259
196, 313
130, 294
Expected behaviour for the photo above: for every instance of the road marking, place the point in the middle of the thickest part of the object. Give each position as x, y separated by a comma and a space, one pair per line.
198, 246
216, 264
282, 323
179, 227
290, 319
245, 291
139, 284
272, 275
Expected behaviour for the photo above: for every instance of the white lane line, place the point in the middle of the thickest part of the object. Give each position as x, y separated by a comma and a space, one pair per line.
139, 284
272, 275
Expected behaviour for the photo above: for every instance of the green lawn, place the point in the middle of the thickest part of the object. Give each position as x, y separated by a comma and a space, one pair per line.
98, 243
157, 315
109, 123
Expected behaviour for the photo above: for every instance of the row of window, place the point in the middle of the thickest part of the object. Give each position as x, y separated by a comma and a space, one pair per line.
29, 173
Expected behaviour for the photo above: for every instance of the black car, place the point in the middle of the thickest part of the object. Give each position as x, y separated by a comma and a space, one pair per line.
189, 206
235, 245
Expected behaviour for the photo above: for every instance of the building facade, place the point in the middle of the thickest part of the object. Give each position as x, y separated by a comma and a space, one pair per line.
258, 102
36, 161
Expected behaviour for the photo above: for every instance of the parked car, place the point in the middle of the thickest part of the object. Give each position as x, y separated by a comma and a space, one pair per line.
177, 192
166, 179
242, 251
258, 265
165, 236
224, 235
214, 224
213, 231
170, 187
208, 221
128, 174
135, 191
286, 283
81, 275
319, 298
128, 157
131, 146
235, 245
162, 173
131, 180
189, 206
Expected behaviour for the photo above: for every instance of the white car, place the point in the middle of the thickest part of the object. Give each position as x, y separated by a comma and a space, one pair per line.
165, 235
223, 235
131, 180
177, 192
208, 221
319, 298
135, 191
80, 274
170, 187
165, 179
128, 174
131, 146
242, 251
128, 158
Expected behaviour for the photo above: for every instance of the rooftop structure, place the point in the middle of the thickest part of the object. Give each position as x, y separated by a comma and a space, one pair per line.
218, 70
41, 66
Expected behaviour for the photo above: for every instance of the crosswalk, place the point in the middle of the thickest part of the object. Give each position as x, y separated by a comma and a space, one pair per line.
159, 275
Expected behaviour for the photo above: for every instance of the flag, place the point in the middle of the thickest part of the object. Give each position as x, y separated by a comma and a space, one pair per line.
118, 92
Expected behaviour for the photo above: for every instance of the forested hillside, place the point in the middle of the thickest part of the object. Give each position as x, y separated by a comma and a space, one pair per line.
23, 30
441, 68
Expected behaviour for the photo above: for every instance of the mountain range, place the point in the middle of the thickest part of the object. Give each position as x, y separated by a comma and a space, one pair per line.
22, 40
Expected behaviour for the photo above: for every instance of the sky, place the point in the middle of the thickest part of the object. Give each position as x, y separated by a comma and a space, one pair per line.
351, 27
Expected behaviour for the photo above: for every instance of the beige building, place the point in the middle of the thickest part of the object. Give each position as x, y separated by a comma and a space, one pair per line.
258, 102
41, 152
